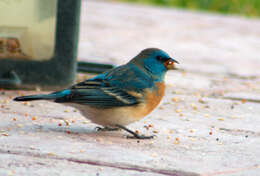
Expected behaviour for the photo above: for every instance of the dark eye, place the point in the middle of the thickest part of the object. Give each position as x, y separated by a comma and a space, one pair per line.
159, 58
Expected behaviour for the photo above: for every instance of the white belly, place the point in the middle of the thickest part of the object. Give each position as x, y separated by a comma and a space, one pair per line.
107, 117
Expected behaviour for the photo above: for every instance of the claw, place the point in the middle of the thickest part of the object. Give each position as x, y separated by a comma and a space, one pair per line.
140, 137
135, 135
106, 129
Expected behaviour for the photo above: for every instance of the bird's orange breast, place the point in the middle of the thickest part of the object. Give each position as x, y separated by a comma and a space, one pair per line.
152, 99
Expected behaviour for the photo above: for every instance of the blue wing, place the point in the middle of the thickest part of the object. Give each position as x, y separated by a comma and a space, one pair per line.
110, 89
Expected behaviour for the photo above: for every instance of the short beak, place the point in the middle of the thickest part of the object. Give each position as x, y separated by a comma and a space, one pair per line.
173, 60
170, 64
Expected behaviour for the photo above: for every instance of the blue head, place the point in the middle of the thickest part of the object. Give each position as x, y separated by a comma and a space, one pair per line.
154, 61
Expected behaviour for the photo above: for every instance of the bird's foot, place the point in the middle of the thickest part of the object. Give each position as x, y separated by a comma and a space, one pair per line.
106, 129
137, 136
134, 134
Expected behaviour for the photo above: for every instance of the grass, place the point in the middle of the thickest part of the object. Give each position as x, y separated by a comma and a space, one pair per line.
249, 8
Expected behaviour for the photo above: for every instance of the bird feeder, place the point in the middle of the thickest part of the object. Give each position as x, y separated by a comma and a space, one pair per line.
38, 42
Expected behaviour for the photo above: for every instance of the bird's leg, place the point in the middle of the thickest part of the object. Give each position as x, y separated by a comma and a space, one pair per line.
135, 135
106, 129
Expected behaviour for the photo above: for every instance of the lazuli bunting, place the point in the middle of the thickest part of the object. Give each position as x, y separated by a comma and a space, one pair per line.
120, 96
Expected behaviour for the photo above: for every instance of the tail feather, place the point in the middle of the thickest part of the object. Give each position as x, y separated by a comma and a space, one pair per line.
51, 96
33, 97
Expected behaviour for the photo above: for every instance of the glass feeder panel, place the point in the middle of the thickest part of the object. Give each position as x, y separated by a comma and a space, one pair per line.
27, 29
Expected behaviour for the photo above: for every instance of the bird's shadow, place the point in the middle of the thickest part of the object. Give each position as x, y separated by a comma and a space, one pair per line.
72, 130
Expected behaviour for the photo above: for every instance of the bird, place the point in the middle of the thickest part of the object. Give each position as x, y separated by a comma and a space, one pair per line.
119, 96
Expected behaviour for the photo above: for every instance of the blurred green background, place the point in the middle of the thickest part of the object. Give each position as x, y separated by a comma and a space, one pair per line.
250, 8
